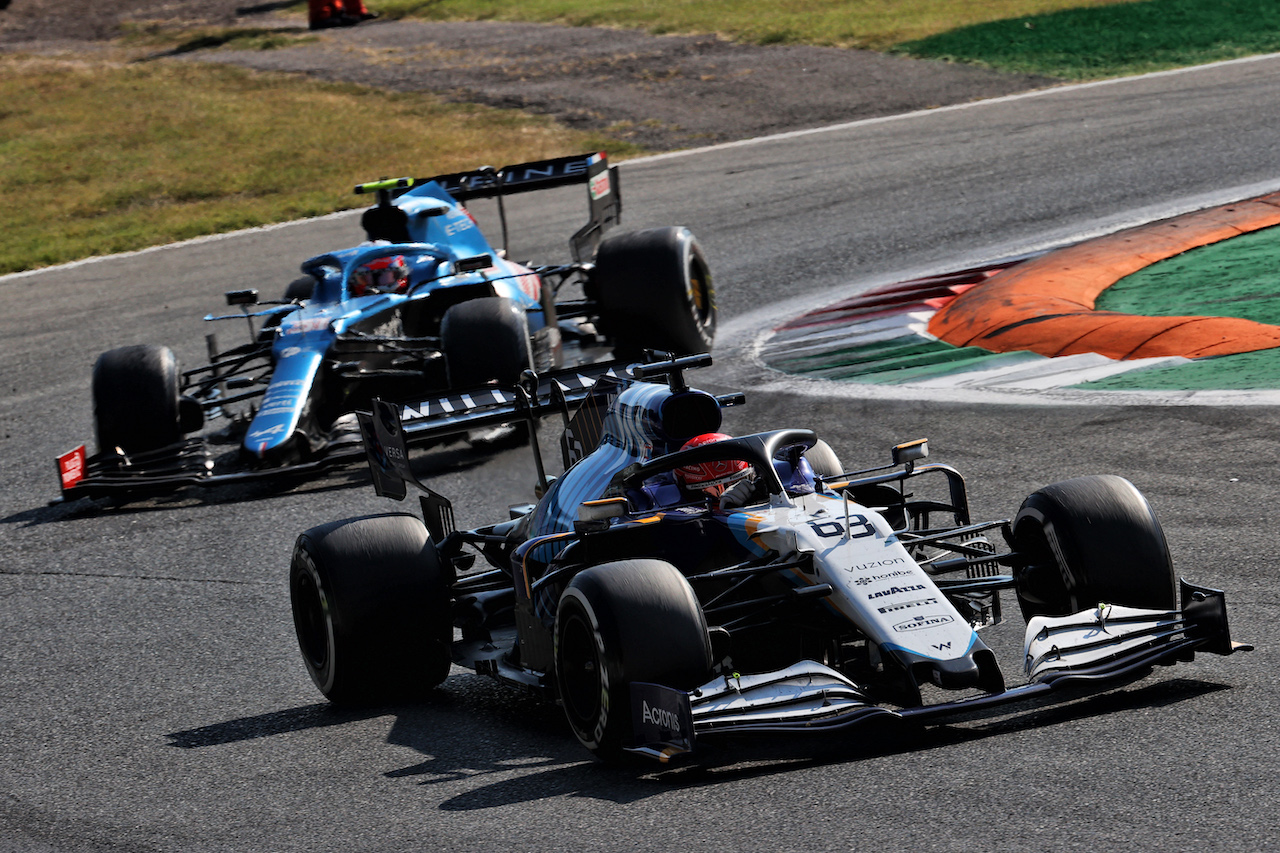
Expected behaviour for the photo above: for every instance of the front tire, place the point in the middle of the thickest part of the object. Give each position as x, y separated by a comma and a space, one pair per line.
1091, 540
653, 290
371, 609
484, 340
135, 399
618, 623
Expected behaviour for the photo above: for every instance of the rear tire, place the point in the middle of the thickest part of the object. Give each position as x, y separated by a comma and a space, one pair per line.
485, 340
653, 290
1091, 540
371, 609
617, 623
135, 399
300, 288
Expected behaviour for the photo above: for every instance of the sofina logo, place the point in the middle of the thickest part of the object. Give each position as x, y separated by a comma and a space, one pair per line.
921, 622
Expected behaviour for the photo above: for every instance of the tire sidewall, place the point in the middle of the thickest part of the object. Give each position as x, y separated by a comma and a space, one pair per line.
1105, 542
306, 581
594, 734
622, 604
644, 290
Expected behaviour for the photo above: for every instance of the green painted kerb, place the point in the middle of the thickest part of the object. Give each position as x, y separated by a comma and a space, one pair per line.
1239, 277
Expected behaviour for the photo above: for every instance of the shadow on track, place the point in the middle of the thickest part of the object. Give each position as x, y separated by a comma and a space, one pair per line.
511, 748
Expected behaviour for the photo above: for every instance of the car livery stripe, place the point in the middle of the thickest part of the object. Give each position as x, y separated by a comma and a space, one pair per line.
745, 528
973, 640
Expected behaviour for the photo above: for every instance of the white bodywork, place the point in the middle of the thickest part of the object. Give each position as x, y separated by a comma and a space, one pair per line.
877, 585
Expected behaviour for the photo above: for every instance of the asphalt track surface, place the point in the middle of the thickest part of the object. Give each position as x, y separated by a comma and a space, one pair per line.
152, 697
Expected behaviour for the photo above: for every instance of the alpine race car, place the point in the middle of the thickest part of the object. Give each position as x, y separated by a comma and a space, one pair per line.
675, 584
425, 305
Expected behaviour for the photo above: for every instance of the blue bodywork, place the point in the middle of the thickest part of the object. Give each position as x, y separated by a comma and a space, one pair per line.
444, 311
305, 335
333, 350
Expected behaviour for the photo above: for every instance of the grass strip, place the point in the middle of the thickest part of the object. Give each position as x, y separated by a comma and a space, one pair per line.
870, 24
98, 158
1111, 40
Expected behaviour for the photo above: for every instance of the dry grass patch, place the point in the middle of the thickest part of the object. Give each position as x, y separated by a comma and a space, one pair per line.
100, 157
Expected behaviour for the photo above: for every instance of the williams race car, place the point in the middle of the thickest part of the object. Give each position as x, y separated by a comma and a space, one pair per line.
424, 306
675, 584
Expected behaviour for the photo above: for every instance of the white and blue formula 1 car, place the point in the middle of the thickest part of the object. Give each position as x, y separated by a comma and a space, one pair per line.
424, 306
802, 598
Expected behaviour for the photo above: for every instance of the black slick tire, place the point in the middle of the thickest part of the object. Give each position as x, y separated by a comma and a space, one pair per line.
371, 609
485, 340
653, 290
618, 623
135, 399
1090, 540
300, 288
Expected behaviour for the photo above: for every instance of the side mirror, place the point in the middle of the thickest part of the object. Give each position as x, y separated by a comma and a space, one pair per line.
479, 262
242, 297
910, 452
594, 516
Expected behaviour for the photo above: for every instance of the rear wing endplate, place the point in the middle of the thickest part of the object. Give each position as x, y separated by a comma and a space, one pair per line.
604, 197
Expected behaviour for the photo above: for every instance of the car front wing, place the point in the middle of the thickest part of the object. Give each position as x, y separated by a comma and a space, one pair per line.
425, 419
1087, 651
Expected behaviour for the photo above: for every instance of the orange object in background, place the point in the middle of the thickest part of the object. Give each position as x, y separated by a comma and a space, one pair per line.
323, 14
1046, 305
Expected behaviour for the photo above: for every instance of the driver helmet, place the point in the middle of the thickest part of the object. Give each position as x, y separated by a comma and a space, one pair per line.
710, 478
381, 275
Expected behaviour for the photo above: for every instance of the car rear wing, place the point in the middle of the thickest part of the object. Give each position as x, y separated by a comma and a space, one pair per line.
579, 395
390, 427
604, 196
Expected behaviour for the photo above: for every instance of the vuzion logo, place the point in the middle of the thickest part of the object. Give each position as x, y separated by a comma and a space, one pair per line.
863, 567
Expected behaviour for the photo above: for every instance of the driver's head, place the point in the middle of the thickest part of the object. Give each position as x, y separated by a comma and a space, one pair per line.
381, 275
710, 478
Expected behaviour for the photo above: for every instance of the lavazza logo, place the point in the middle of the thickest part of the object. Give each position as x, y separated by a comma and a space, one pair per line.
896, 590
661, 717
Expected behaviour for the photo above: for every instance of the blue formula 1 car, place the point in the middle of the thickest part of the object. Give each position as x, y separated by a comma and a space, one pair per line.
426, 305
675, 584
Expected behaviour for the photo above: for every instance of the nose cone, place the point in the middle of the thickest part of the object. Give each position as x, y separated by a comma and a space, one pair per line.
273, 437
956, 674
